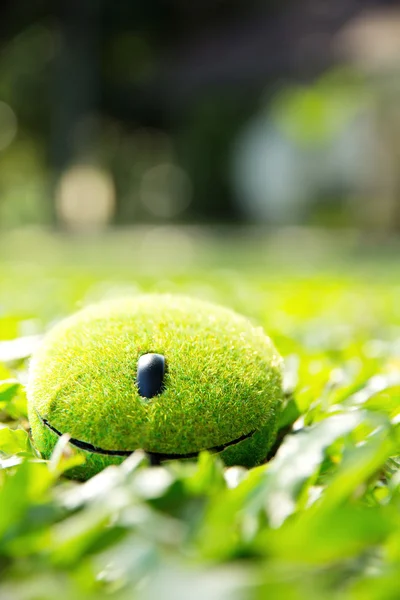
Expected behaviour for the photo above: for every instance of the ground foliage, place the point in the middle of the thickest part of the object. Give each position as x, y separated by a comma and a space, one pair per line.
320, 520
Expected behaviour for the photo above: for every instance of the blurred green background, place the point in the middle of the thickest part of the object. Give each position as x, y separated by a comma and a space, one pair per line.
207, 111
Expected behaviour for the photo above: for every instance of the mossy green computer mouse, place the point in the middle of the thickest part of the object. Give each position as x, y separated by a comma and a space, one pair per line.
168, 374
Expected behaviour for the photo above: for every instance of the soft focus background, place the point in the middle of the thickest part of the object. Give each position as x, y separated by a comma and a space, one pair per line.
244, 152
275, 112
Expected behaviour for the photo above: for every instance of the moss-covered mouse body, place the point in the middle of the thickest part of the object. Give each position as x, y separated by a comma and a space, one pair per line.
168, 374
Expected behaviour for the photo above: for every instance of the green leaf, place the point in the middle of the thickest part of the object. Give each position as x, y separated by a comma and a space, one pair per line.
9, 388
298, 460
15, 441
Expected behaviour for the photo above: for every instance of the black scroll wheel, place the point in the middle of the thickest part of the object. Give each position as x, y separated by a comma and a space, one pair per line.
150, 375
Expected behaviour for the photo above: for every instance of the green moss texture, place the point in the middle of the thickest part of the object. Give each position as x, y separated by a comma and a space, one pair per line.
223, 381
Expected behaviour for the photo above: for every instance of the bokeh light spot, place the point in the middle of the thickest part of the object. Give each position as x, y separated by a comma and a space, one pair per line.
85, 198
166, 190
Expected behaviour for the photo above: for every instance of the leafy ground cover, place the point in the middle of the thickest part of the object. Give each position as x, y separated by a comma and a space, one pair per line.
320, 520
